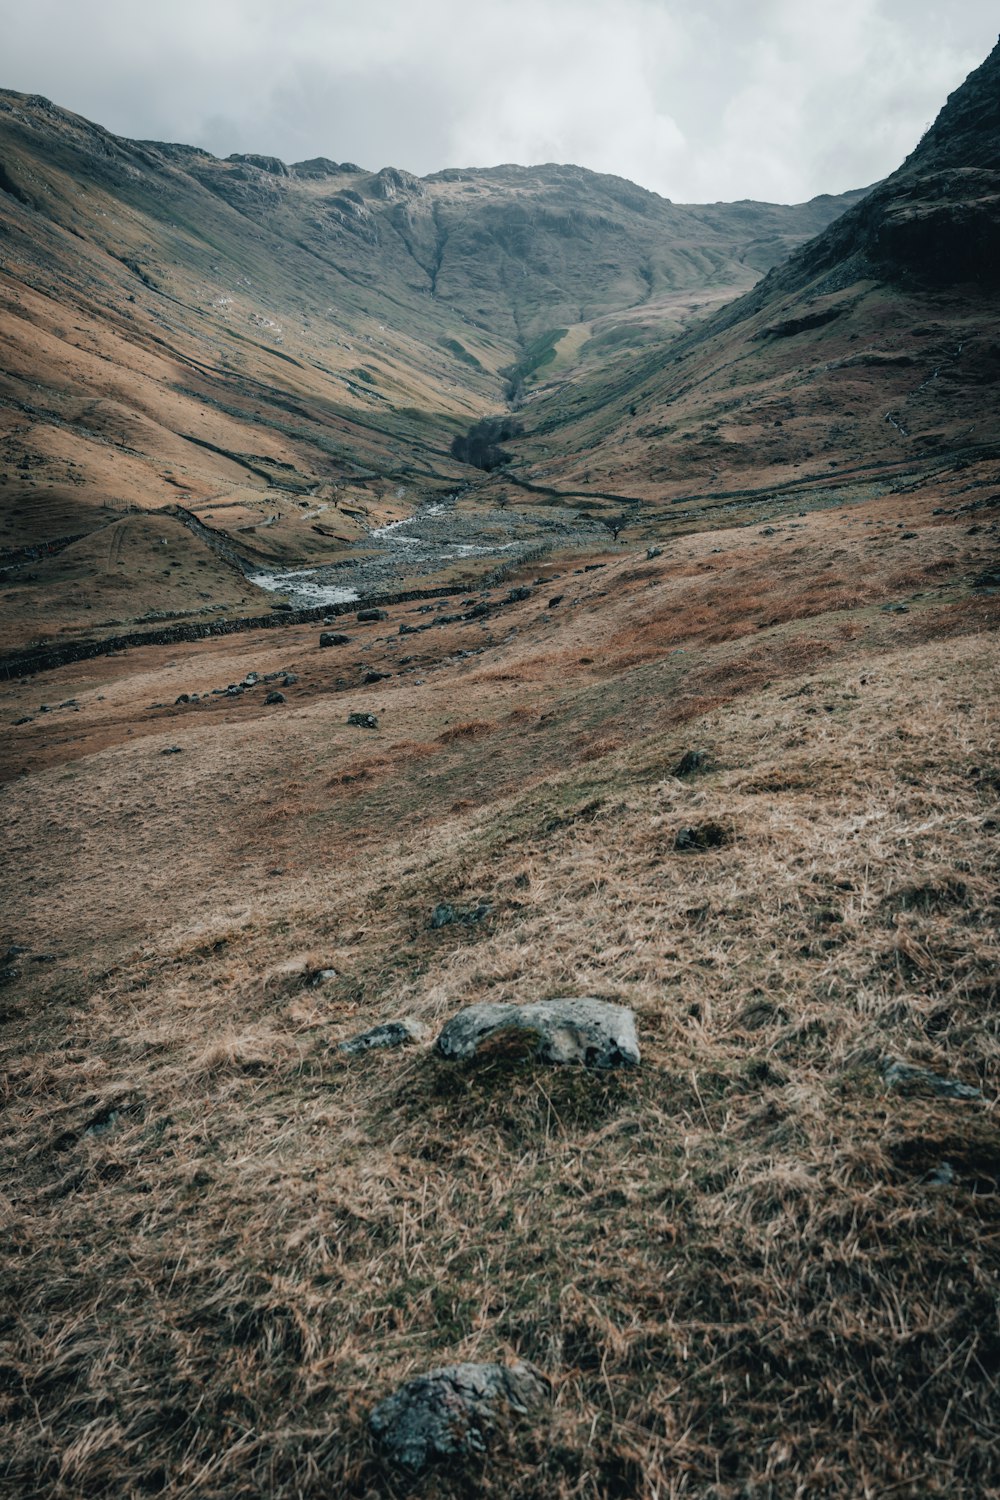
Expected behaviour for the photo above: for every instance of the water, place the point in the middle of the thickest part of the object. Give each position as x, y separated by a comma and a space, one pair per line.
302, 585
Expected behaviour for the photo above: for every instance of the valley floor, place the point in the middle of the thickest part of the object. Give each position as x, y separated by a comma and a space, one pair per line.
763, 1264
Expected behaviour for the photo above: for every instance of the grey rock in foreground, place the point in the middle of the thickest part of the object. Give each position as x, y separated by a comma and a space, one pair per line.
389, 1034
362, 721
579, 1030
453, 1410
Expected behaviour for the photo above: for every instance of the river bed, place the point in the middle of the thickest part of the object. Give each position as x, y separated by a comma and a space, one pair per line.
421, 546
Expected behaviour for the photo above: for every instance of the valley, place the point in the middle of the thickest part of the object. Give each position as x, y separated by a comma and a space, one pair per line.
686, 704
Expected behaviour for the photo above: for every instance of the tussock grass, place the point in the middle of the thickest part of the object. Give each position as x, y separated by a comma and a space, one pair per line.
750, 1267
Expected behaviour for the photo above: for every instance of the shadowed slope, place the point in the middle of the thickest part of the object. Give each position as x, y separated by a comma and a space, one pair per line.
872, 346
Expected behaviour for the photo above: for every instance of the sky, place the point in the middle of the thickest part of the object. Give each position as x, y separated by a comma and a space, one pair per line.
717, 100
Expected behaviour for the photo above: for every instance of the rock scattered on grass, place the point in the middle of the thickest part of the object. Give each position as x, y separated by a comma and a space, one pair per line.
363, 721
454, 1410
581, 1029
652, 552
333, 638
901, 1075
171, 750
690, 763
275, 698
389, 1034
701, 837
374, 676
445, 915
365, 616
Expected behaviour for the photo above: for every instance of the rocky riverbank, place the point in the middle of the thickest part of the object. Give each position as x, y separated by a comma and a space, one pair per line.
431, 542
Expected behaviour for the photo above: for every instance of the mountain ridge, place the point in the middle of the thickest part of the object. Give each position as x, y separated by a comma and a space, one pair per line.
219, 333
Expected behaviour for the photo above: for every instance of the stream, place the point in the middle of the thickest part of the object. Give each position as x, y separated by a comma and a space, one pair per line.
422, 545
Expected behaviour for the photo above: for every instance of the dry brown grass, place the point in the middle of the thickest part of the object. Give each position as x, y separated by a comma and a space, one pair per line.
740, 1266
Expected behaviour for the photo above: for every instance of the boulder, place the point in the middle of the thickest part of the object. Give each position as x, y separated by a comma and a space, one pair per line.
365, 616
582, 1029
363, 721
454, 1410
389, 1034
333, 638
275, 698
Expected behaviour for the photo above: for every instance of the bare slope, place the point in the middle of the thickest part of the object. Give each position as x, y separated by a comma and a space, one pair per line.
872, 346
756, 1266
237, 335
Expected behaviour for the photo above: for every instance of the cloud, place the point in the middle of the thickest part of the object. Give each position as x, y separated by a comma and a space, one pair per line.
737, 98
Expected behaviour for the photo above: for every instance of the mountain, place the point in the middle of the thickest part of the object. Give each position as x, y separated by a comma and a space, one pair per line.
739, 778
871, 348
255, 343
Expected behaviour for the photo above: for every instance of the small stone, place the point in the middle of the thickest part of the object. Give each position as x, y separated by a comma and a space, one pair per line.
690, 763
333, 638
652, 552
901, 1075
454, 1410
556, 599
374, 676
184, 698
389, 1034
584, 1030
363, 721
702, 836
289, 680
171, 750
366, 616
275, 698
516, 595
444, 915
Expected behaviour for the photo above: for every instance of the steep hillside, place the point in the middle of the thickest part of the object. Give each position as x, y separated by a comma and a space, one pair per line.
289, 351
871, 347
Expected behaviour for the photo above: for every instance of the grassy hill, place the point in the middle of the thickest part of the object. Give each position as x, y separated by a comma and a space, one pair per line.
870, 349
730, 762
242, 337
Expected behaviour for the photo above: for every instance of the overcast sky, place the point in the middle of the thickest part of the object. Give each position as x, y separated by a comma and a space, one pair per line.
773, 99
